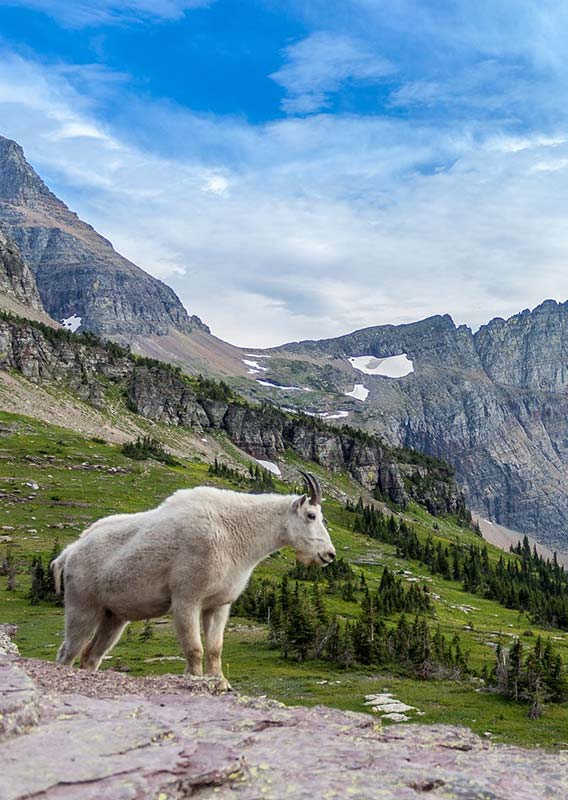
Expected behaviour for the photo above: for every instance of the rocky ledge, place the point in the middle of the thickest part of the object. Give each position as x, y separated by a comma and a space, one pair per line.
70, 734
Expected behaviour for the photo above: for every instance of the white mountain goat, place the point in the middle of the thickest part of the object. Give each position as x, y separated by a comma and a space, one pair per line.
193, 555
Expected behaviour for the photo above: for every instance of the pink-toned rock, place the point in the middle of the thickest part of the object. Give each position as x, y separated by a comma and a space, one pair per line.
116, 737
19, 701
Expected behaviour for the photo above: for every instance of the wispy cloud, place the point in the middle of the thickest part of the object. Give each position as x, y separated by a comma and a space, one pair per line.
80, 13
321, 65
452, 197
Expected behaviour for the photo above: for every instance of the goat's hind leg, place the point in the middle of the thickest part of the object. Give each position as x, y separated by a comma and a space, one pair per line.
108, 633
80, 624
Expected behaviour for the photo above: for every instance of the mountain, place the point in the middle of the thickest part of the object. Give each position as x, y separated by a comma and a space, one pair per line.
78, 272
493, 403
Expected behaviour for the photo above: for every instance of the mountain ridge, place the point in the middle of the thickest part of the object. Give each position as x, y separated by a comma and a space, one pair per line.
492, 403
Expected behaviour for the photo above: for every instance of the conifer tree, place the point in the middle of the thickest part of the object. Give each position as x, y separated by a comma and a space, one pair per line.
300, 627
38, 587
514, 670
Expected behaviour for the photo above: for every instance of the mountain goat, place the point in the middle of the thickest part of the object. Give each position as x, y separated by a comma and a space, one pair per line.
193, 555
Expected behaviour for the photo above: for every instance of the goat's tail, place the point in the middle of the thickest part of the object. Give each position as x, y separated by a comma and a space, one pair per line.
57, 567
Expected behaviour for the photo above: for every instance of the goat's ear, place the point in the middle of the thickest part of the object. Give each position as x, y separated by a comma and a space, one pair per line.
299, 502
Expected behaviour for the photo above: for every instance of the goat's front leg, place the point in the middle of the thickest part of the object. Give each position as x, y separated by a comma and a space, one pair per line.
187, 619
214, 621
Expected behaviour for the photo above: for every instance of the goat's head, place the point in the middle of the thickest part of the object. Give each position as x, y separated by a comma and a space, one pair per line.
306, 528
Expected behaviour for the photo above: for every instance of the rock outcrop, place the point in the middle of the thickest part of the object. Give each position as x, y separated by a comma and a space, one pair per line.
162, 394
493, 404
109, 736
78, 272
16, 279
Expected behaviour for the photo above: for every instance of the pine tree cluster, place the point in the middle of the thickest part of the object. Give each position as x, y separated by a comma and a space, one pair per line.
536, 677
213, 390
301, 626
528, 583
145, 447
259, 480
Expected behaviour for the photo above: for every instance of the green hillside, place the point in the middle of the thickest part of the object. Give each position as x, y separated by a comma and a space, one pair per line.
54, 482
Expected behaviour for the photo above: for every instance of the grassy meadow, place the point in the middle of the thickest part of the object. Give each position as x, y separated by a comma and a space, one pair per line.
54, 482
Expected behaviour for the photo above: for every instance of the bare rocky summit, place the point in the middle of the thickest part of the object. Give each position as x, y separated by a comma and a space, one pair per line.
77, 271
71, 734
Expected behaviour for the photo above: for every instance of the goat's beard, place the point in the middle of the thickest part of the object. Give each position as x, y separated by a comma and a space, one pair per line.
308, 560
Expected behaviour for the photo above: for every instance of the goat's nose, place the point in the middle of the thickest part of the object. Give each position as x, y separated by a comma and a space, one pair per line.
331, 554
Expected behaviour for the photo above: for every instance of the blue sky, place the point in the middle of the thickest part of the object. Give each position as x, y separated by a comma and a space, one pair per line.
301, 169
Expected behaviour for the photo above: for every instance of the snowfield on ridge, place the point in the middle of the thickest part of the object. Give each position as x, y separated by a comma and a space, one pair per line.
391, 367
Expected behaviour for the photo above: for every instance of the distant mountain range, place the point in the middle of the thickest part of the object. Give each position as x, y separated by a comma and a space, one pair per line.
493, 403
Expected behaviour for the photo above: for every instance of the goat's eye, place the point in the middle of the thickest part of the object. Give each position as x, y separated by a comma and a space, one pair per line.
311, 516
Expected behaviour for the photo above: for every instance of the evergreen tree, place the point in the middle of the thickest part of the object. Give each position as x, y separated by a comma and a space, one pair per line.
300, 626
513, 678
38, 588
319, 605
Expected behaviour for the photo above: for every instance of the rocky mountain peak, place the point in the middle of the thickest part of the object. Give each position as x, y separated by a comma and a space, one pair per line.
19, 183
78, 272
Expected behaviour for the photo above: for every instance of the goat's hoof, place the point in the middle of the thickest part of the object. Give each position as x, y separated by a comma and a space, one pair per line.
223, 684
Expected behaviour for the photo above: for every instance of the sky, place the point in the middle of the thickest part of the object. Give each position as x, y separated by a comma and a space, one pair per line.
303, 168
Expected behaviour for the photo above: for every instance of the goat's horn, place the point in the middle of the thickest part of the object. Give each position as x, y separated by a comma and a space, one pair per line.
313, 486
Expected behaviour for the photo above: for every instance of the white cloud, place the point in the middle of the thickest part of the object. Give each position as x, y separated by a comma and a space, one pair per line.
83, 13
310, 227
216, 184
321, 64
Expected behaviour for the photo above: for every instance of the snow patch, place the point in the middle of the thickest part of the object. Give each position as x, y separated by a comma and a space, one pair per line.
359, 392
391, 367
277, 386
270, 466
336, 415
71, 323
256, 355
255, 367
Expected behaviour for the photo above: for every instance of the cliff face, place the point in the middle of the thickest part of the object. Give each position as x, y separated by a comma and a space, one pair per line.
493, 404
78, 272
16, 279
161, 395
